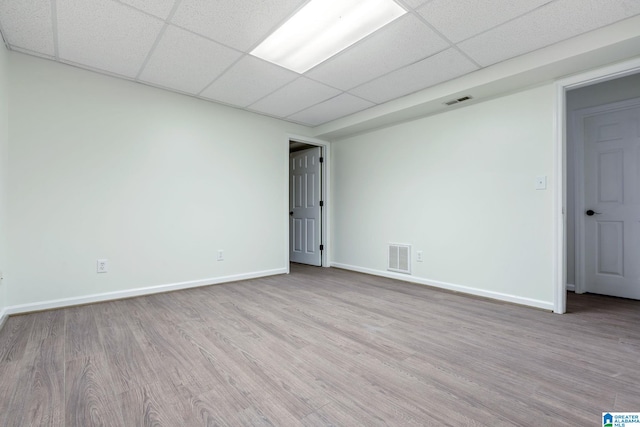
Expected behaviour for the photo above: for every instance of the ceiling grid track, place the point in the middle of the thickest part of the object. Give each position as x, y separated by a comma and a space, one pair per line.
203, 49
452, 45
54, 26
157, 41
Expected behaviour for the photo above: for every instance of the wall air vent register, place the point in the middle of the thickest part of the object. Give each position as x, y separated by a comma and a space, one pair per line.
399, 258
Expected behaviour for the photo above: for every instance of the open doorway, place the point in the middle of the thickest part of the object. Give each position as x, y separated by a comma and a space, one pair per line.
308, 216
602, 187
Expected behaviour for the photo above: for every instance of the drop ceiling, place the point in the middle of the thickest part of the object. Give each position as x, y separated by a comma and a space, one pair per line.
201, 47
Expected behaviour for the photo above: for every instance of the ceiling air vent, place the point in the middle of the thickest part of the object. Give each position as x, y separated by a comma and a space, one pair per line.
456, 101
399, 257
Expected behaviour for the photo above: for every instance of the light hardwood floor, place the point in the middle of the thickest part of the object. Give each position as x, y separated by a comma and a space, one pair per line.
320, 347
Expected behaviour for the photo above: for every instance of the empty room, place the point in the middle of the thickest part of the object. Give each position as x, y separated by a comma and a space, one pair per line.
320, 213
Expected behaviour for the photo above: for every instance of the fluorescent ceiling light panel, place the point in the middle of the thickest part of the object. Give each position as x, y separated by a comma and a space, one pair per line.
323, 28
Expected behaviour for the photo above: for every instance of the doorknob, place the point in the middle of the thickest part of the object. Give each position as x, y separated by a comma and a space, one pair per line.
591, 212
291, 213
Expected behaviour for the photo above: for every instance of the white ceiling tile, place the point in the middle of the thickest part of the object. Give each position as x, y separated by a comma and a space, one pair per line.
461, 19
334, 108
187, 62
296, 96
105, 35
128, 37
400, 43
28, 25
159, 8
247, 81
239, 24
545, 26
444, 66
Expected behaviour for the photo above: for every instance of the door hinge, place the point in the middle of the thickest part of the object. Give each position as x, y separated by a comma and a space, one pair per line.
322, 247
321, 203
321, 159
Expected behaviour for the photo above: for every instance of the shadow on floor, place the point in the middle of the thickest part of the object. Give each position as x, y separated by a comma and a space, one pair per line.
581, 303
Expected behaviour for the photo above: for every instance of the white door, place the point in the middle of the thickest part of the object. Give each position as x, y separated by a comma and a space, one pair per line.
612, 202
305, 209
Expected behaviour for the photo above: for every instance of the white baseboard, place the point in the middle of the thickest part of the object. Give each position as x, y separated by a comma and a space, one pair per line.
571, 287
109, 296
3, 317
545, 305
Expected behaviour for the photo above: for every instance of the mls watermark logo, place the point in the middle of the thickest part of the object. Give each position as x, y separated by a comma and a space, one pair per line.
620, 419
607, 420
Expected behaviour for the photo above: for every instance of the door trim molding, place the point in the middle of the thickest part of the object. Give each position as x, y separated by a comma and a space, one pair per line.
326, 196
577, 124
560, 167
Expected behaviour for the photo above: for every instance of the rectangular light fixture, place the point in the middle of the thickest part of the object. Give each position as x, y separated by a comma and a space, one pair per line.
322, 28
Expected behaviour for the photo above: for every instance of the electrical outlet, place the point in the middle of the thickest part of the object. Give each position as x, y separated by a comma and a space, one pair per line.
220, 255
102, 265
419, 256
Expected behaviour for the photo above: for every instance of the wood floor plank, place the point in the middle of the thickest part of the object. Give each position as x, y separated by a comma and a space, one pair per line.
163, 346
275, 412
273, 382
81, 333
89, 393
337, 414
627, 400
129, 365
253, 417
50, 324
268, 323
213, 409
149, 405
14, 337
320, 347
45, 405
348, 376
225, 374
13, 394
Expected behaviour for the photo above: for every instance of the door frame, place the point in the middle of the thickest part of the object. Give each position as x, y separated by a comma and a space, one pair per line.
576, 124
325, 195
588, 78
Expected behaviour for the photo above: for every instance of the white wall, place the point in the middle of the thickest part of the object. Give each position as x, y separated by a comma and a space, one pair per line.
599, 94
154, 181
458, 186
4, 145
